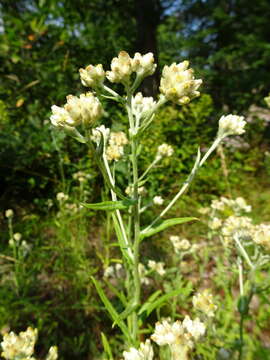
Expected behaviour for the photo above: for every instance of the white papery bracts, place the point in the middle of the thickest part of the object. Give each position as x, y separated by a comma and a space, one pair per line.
92, 76
231, 125
178, 83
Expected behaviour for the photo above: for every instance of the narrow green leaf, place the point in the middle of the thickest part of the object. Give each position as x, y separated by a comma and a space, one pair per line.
149, 301
108, 305
160, 301
73, 132
160, 226
110, 205
130, 309
117, 293
106, 346
121, 240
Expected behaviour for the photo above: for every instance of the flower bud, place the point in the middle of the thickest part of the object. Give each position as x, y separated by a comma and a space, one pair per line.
143, 65
92, 76
231, 125
60, 117
178, 83
85, 109
121, 69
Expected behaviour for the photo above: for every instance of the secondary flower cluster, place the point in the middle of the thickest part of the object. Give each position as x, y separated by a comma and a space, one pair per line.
180, 336
227, 216
204, 303
115, 150
22, 346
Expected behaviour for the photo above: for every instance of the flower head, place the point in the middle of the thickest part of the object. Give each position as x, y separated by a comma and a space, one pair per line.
92, 76
19, 346
231, 125
164, 150
9, 213
142, 105
143, 65
178, 83
267, 100
261, 236
204, 303
121, 68
52, 354
85, 109
158, 200
145, 352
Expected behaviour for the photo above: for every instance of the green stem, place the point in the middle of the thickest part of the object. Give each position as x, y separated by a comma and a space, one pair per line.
136, 290
241, 337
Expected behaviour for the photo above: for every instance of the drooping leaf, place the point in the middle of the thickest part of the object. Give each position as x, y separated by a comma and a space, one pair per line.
151, 306
126, 251
160, 226
110, 205
106, 346
108, 305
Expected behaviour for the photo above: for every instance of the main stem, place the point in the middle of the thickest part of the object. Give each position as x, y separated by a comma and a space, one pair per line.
136, 295
136, 217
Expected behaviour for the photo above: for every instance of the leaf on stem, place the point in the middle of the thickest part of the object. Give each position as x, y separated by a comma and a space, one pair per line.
110, 205
152, 304
121, 240
108, 305
106, 346
162, 225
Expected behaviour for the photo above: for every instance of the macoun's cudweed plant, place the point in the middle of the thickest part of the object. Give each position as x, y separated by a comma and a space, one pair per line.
81, 117
21, 347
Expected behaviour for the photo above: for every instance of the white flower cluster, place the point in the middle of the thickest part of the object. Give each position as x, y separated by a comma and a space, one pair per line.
178, 83
236, 224
61, 197
85, 109
157, 266
113, 271
123, 66
145, 352
179, 245
98, 132
164, 150
261, 236
19, 346
22, 246
92, 76
9, 213
81, 176
186, 332
204, 303
226, 216
158, 200
22, 346
232, 206
142, 105
115, 150
267, 100
231, 125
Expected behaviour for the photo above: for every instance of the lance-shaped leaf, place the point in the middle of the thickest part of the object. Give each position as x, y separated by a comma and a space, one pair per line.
110, 205
73, 132
106, 346
162, 225
156, 303
108, 305
124, 246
